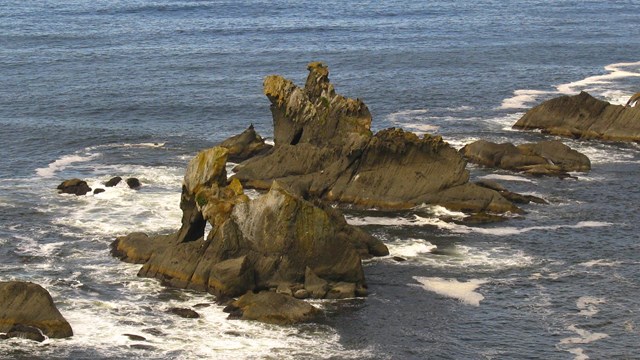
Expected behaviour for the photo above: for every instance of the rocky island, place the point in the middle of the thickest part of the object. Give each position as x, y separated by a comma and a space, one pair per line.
585, 117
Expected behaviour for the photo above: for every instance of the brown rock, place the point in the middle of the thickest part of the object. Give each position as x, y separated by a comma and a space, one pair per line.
273, 308
74, 186
324, 149
245, 145
543, 158
585, 117
30, 305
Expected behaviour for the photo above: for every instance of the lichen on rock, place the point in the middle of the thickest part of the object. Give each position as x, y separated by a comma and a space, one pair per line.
324, 149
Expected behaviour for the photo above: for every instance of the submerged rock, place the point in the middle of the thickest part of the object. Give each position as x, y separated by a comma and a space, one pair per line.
183, 312
30, 305
113, 181
543, 158
585, 117
74, 186
273, 308
512, 196
245, 145
26, 332
324, 149
134, 183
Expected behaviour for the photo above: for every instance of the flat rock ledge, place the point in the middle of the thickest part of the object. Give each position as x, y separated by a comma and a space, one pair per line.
551, 158
277, 242
27, 310
583, 117
324, 149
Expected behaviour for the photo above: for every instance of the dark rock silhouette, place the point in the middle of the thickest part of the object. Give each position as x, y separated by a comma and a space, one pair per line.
585, 117
543, 158
245, 145
74, 186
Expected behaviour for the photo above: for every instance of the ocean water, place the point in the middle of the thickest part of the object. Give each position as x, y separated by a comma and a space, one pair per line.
95, 89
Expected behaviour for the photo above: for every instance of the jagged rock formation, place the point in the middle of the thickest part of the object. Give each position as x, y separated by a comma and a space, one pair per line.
542, 158
245, 145
583, 116
272, 242
27, 308
324, 149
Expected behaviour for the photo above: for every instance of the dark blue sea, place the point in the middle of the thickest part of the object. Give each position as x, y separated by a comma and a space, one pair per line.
95, 89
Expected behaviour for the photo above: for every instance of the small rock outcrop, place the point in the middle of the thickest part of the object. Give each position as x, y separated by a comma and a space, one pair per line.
324, 149
134, 183
260, 244
74, 186
585, 117
113, 181
27, 309
245, 145
543, 158
272, 308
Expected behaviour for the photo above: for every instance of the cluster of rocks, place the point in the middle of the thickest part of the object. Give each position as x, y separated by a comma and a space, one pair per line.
289, 244
27, 311
80, 187
324, 149
277, 241
542, 158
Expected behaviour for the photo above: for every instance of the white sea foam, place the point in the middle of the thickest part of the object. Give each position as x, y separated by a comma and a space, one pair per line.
62, 163
142, 145
410, 248
417, 220
588, 305
596, 84
507, 178
465, 291
119, 210
103, 323
599, 262
457, 256
584, 336
521, 99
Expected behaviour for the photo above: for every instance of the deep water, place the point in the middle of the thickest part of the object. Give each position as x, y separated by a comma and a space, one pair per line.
95, 89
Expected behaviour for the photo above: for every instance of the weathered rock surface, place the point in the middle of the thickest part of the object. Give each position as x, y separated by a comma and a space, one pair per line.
583, 116
30, 306
265, 243
324, 149
245, 145
273, 308
74, 186
542, 158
